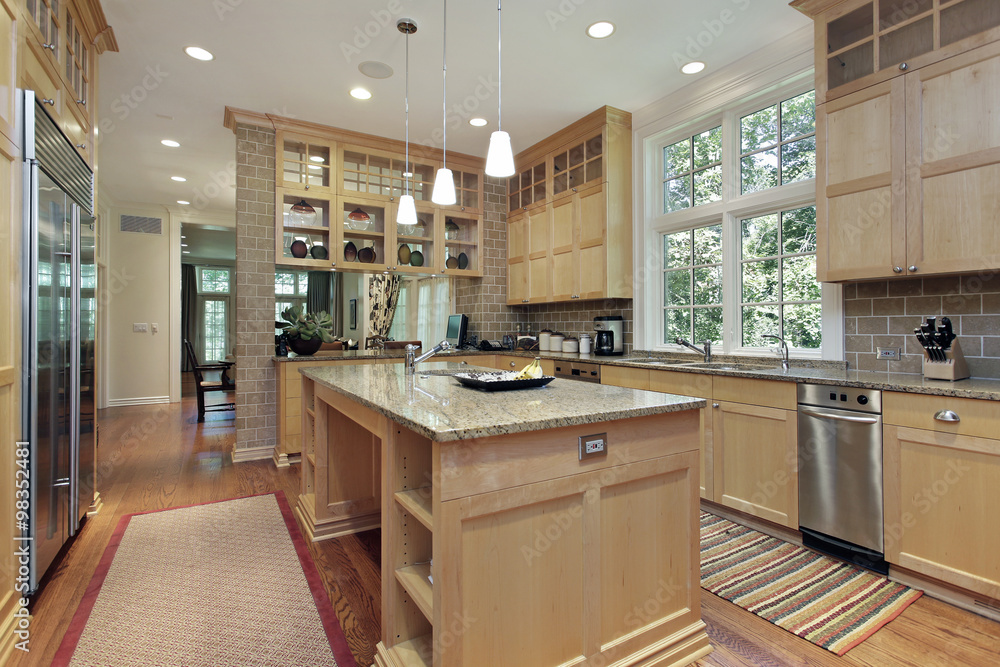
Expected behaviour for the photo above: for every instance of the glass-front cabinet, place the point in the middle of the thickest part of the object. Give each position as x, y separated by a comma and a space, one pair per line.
580, 163
338, 206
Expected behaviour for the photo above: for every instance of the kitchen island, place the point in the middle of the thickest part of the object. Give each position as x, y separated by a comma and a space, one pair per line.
500, 544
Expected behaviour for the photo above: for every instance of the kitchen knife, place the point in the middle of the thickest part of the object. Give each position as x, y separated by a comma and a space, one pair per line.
947, 332
923, 341
927, 328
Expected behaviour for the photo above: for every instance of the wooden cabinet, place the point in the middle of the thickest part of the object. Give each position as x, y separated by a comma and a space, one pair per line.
905, 153
698, 385
350, 192
940, 490
58, 60
516, 363
8, 69
570, 219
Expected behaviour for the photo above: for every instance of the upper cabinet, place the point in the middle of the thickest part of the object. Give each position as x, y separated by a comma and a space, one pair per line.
906, 148
569, 226
337, 196
58, 60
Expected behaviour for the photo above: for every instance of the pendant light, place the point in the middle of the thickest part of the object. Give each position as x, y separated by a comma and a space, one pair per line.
500, 158
407, 213
444, 182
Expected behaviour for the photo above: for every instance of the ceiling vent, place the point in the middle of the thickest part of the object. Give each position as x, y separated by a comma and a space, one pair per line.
138, 224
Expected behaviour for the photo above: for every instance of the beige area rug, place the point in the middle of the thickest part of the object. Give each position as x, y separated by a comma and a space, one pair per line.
216, 585
831, 603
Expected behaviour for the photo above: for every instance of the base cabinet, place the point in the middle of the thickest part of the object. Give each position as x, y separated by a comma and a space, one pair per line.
941, 507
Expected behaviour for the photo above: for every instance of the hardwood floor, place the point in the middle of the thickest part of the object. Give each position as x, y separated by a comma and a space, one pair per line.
152, 457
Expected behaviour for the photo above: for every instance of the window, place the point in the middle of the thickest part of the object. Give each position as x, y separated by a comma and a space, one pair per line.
213, 280
778, 144
290, 289
692, 171
399, 330
214, 314
780, 294
733, 233
422, 311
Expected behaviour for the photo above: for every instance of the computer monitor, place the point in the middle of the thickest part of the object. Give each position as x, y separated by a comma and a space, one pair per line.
457, 324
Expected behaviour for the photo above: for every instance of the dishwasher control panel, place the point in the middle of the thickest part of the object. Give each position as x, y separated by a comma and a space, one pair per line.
844, 398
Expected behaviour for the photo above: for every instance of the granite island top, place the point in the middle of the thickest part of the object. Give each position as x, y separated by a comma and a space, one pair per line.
439, 408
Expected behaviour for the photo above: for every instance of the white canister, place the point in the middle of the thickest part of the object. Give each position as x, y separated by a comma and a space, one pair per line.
555, 342
571, 345
543, 341
585, 343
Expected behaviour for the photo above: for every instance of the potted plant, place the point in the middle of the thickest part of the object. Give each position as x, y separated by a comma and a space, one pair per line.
306, 331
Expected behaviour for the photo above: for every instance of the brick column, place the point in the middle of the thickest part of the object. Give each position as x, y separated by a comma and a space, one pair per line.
256, 401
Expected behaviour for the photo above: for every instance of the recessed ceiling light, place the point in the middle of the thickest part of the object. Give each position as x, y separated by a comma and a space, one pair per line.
179, 179
601, 29
198, 53
477, 122
170, 143
183, 203
186, 252
317, 158
375, 70
360, 94
184, 245
693, 67
315, 166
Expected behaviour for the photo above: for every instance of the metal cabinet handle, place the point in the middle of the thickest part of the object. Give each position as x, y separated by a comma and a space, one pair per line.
50, 47
912, 269
946, 416
525, 300
897, 269
49, 102
903, 67
81, 145
82, 102
715, 405
575, 296
512, 365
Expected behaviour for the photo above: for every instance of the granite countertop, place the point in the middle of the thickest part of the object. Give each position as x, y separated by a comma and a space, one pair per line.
819, 372
438, 407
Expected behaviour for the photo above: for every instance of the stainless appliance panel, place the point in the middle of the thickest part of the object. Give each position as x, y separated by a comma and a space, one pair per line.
840, 474
85, 469
578, 370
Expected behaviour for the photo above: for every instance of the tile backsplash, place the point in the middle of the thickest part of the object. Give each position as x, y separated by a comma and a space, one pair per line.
885, 313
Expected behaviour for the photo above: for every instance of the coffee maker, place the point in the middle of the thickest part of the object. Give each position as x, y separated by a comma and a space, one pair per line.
610, 339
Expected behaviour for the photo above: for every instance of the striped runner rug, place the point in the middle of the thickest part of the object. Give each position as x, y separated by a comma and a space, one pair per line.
223, 584
831, 603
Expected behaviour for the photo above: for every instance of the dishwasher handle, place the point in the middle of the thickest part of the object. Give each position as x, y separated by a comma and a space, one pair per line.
837, 416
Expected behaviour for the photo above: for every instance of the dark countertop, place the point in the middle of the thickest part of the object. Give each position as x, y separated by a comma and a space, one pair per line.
818, 372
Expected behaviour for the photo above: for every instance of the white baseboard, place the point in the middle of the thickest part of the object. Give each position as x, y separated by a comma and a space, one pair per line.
252, 454
143, 400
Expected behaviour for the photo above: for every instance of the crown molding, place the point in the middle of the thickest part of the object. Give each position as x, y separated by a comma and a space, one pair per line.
813, 8
92, 15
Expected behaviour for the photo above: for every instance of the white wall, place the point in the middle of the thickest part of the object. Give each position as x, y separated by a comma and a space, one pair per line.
354, 284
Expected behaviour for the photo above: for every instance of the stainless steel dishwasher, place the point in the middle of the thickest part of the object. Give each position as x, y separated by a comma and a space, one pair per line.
840, 472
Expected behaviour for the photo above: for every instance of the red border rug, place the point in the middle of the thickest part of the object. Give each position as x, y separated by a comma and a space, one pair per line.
328, 619
831, 603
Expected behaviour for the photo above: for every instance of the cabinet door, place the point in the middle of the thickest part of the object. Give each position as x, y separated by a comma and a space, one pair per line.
592, 216
8, 69
700, 386
539, 264
565, 261
517, 259
860, 198
941, 506
755, 461
953, 158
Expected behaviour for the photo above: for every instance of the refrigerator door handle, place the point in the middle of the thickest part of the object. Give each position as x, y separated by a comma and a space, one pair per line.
74, 378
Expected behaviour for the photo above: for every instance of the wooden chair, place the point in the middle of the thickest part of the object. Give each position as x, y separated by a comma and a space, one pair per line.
401, 344
204, 386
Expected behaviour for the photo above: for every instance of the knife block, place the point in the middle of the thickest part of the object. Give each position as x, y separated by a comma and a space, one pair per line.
953, 368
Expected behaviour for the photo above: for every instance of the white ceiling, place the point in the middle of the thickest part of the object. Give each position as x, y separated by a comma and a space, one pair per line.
299, 58
207, 243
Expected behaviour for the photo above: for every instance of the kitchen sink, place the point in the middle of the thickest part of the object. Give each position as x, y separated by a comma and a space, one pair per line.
657, 362
726, 366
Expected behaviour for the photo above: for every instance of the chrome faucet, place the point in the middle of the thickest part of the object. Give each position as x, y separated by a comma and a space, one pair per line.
707, 351
412, 359
784, 359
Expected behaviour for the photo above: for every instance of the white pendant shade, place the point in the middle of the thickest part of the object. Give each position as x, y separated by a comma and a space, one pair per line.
444, 188
500, 158
407, 213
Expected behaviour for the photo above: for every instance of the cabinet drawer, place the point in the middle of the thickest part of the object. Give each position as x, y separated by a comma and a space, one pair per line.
698, 385
769, 393
977, 417
622, 376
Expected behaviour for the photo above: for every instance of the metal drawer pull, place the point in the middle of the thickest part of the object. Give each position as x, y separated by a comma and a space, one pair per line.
49, 102
946, 416
839, 418
715, 405
897, 269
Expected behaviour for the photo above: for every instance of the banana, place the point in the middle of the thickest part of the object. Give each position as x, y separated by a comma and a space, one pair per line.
532, 370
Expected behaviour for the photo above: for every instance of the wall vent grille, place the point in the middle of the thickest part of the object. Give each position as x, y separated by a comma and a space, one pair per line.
138, 224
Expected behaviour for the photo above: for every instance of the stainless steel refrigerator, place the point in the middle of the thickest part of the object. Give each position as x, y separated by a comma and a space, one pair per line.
59, 316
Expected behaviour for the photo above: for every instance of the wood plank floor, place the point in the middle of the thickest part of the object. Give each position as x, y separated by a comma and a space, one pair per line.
152, 457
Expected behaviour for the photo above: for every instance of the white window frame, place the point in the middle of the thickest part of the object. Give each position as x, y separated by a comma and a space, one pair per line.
729, 212
296, 298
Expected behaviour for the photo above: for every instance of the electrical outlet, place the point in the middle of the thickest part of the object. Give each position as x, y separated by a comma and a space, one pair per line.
139, 327
888, 353
593, 445
155, 328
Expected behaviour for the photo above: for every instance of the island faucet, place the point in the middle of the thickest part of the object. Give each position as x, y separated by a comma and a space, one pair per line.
412, 359
707, 351
784, 358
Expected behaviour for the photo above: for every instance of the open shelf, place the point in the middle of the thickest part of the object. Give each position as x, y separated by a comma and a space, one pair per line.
414, 580
418, 652
418, 503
